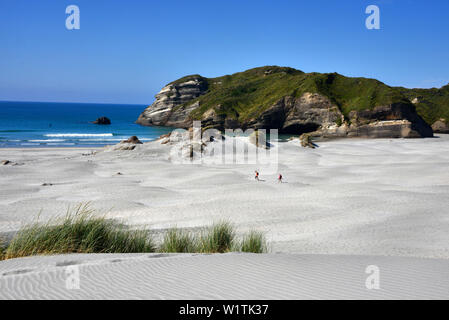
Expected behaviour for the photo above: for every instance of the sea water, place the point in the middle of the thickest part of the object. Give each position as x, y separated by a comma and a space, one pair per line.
45, 124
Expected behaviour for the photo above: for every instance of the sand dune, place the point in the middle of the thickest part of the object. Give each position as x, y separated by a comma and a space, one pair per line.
375, 197
227, 276
353, 201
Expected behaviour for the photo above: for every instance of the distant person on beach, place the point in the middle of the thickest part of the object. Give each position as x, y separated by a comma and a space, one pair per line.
257, 175
280, 178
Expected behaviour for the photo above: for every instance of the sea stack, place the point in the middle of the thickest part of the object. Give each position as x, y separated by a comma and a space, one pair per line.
102, 121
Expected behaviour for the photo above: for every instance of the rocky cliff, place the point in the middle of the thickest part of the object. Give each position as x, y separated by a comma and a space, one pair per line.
328, 105
171, 107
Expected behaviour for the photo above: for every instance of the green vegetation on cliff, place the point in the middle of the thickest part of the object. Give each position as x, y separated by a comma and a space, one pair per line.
247, 94
432, 104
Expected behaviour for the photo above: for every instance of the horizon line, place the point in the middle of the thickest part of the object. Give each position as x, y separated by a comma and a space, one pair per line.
74, 102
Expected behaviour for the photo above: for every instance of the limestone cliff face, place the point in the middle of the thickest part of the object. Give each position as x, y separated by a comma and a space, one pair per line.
441, 126
315, 113
305, 114
310, 113
165, 111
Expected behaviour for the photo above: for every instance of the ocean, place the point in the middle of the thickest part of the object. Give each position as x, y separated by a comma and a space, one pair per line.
48, 124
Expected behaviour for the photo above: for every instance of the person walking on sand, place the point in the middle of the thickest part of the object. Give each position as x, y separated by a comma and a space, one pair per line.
257, 175
280, 178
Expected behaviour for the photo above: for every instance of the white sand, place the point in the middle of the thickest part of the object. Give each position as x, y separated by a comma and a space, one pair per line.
348, 197
228, 276
369, 197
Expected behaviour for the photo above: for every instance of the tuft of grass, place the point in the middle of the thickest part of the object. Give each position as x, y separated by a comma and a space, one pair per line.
220, 238
176, 240
254, 242
78, 232
2, 249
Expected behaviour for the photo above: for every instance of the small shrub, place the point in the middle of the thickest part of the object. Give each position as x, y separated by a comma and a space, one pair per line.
339, 122
176, 240
254, 242
218, 239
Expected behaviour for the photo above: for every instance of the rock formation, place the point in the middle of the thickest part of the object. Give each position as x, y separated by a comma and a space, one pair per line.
258, 139
169, 108
125, 145
188, 99
132, 140
10, 163
440, 126
102, 120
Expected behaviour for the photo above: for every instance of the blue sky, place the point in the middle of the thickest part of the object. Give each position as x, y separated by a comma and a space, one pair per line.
125, 51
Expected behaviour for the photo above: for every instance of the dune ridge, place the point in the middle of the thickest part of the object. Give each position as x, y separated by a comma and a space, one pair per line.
223, 276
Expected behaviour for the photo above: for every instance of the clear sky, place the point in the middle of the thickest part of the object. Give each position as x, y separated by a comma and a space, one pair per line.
125, 51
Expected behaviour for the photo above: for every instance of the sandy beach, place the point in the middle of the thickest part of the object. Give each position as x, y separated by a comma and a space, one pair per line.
368, 197
347, 204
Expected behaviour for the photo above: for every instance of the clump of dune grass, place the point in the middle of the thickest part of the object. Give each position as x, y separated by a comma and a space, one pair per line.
78, 232
254, 242
177, 240
219, 238
2, 249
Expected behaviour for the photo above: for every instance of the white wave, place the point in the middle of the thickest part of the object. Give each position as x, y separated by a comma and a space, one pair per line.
96, 143
112, 140
60, 144
48, 140
77, 135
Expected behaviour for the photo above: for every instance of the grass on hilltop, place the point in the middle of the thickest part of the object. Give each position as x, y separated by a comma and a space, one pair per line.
433, 103
80, 231
246, 95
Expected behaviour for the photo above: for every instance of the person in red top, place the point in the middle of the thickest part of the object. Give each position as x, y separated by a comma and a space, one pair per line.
280, 178
257, 175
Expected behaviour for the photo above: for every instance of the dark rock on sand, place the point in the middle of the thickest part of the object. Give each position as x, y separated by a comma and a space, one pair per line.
10, 163
306, 141
126, 145
132, 140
